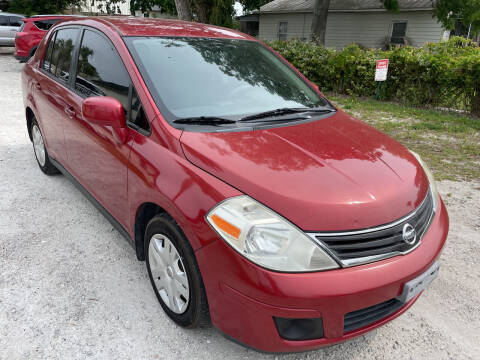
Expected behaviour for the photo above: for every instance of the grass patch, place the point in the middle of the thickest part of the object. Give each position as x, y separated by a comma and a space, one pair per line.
448, 142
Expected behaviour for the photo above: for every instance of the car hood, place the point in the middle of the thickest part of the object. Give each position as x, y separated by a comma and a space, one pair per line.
331, 174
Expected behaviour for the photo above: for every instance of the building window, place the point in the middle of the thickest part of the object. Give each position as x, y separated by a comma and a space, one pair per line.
282, 30
399, 32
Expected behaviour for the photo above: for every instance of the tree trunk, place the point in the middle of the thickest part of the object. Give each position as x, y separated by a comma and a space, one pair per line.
319, 23
202, 10
183, 10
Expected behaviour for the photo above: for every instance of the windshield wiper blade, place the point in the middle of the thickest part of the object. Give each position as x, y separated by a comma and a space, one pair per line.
204, 120
284, 111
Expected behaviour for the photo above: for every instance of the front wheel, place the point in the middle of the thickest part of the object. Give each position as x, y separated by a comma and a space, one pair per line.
174, 273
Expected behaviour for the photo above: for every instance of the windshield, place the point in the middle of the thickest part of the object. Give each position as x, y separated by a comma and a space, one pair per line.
205, 77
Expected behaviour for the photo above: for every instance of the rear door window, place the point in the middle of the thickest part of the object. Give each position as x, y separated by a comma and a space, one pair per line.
100, 70
3, 20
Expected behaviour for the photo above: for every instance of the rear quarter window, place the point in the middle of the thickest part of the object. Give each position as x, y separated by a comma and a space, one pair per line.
58, 56
46, 64
45, 24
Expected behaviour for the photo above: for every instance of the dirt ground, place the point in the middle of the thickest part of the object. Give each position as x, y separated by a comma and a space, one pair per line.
71, 287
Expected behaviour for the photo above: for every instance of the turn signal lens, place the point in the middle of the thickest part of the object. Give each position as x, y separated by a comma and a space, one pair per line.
225, 226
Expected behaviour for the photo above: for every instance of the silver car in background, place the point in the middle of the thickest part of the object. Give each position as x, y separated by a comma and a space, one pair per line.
10, 24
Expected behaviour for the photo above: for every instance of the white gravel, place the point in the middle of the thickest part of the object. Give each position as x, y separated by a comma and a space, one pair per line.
71, 287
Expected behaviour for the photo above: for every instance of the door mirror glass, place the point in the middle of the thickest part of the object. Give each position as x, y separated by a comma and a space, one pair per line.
104, 110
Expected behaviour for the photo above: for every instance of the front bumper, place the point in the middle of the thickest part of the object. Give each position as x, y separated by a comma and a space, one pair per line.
244, 298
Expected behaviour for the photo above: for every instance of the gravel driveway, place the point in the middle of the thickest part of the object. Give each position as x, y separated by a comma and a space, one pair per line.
71, 287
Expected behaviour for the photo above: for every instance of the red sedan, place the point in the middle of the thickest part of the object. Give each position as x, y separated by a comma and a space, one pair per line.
256, 203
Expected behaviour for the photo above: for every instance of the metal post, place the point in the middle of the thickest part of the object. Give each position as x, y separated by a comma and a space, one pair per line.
379, 88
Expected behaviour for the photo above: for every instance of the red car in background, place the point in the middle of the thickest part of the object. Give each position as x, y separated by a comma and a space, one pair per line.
32, 32
255, 202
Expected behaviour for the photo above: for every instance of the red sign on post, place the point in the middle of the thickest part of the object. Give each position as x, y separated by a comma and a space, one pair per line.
382, 69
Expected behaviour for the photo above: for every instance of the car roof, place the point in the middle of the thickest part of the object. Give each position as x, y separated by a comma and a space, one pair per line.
11, 14
137, 26
48, 17
55, 15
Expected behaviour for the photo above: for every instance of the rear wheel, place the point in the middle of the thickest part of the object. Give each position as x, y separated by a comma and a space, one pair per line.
40, 150
174, 273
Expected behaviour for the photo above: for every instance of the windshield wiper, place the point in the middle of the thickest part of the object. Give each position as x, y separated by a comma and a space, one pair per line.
285, 111
204, 120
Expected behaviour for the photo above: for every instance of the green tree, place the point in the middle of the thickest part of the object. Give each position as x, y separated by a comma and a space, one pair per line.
107, 6
465, 12
34, 7
145, 6
216, 12
184, 10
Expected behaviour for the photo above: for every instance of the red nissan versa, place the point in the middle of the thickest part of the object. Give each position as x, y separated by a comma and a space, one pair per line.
255, 202
32, 32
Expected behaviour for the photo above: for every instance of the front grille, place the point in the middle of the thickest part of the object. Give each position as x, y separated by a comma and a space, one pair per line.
363, 246
357, 319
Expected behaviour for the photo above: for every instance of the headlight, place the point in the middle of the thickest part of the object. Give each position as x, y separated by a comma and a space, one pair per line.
266, 238
431, 180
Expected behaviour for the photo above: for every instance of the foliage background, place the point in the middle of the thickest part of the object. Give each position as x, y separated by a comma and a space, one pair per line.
34, 7
445, 74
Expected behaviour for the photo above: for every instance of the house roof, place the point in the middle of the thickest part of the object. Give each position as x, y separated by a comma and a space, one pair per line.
253, 16
342, 5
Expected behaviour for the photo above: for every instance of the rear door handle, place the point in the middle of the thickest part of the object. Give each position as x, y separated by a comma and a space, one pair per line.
70, 112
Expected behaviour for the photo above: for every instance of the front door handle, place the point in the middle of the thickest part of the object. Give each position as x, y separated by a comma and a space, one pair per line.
70, 112
37, 86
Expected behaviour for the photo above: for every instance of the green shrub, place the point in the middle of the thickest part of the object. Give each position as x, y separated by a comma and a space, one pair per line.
443, 74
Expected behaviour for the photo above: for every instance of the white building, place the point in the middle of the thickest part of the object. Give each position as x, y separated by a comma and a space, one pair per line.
100, 7
364, 22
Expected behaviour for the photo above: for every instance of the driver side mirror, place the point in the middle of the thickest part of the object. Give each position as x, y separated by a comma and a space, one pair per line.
106, 111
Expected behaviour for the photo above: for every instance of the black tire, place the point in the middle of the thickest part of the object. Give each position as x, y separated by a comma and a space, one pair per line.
48, 168
196, 313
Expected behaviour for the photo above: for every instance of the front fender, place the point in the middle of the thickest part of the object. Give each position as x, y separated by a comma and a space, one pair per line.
164, 177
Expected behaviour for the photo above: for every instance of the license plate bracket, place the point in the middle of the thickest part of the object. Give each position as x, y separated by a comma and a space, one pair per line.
420, 283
